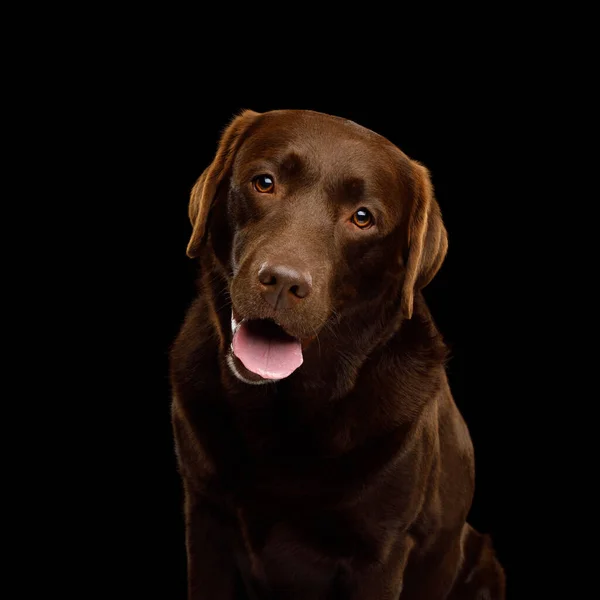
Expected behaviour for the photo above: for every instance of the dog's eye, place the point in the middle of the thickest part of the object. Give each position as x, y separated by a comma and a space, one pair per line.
264, 184
362, 218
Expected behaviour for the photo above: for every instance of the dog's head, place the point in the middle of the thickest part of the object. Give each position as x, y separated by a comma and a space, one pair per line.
316, 217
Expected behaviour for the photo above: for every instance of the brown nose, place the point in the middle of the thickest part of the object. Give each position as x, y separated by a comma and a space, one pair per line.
283, 286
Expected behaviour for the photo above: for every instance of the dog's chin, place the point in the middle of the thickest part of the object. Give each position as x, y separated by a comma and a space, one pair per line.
243, 374
262, 352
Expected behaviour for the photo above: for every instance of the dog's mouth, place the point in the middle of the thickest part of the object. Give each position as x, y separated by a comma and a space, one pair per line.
264, 348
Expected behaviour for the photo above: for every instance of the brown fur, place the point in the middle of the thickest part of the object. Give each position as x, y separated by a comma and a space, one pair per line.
351, 478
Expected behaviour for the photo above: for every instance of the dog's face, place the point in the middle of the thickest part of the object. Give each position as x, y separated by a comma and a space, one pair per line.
317, 217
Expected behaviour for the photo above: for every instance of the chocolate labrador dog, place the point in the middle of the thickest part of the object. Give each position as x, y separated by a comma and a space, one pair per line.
321, 453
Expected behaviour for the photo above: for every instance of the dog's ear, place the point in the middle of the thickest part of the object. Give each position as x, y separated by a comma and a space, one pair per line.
426, 238
205, 189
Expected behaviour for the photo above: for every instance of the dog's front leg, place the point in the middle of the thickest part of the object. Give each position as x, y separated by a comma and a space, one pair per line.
383, 580
211, 566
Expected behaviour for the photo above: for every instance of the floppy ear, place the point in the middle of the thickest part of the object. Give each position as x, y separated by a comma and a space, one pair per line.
205, 189
427, 239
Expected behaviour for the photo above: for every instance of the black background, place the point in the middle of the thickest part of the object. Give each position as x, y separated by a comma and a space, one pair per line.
152, 136
111, 115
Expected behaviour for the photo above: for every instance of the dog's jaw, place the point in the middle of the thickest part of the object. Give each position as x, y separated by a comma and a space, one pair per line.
235, 371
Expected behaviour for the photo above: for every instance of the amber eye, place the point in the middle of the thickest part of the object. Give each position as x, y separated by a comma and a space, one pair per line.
362, 218
264, 184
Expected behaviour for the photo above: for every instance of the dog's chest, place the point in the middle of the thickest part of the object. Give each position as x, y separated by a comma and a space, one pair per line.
307, 552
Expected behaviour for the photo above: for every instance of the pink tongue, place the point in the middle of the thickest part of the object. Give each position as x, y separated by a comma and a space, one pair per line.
266, 350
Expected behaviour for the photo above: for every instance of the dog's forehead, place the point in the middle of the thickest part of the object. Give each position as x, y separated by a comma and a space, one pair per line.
328, 143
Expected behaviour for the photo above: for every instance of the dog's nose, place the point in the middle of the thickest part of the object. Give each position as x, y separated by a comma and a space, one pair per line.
283, 286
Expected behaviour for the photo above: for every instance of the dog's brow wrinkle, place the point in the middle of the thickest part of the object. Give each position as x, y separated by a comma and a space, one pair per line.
354, 187
291, 163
